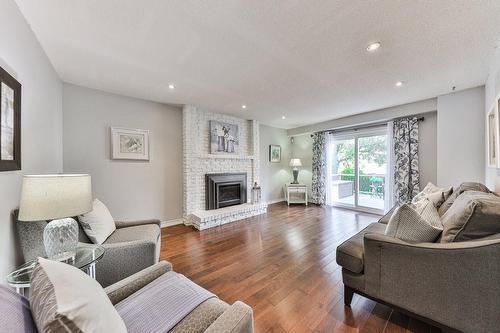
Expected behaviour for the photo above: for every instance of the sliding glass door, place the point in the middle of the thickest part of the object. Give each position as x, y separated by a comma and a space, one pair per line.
358, 170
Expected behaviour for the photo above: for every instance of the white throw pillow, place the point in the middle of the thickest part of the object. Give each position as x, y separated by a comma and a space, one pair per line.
408, 225
98, 224
437, 195
65, 299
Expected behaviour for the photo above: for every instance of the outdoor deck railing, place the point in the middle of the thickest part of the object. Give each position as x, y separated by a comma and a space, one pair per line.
371, 184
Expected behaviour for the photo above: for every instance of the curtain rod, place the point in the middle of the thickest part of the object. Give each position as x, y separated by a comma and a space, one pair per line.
371, 125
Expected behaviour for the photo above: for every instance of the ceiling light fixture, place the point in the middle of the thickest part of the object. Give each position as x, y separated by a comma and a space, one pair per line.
171, 86
400, 83
373, 46
283, 117
243, 106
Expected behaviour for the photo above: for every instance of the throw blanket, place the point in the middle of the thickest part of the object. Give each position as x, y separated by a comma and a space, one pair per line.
160, 305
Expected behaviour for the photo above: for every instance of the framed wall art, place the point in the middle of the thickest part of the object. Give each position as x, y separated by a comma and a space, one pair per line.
224, 138
10, 122
129, 144
274, 153
492, 129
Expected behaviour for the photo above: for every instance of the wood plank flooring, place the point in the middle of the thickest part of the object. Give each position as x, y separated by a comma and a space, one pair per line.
283, 265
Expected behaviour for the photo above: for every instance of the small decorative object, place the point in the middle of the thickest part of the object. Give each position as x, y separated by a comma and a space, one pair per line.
256, 193
129, 144
10, 122
56, 198
295, 163
492, 127
274, 153
224, 138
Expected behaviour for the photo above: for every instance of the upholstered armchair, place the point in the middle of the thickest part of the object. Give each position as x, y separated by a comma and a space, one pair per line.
133, 246
211, 316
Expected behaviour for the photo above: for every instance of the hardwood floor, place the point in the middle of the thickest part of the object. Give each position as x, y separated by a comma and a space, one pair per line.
283, 265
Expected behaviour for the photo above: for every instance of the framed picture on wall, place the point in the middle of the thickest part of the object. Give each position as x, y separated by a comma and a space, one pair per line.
275, 153
224, 138
492, 129
10, 122
129, 144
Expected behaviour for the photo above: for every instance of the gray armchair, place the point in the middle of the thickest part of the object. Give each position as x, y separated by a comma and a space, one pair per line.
211, 316
133, 246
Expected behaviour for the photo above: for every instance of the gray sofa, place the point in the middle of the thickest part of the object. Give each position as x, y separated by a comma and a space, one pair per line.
211, 316
452, 285
133, 246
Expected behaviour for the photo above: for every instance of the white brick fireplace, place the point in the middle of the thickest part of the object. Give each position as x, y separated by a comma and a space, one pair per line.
198, 161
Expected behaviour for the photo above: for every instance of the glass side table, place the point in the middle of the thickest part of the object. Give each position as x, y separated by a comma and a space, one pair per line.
86, 257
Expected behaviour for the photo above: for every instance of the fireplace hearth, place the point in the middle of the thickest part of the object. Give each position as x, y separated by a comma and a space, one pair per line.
225, 189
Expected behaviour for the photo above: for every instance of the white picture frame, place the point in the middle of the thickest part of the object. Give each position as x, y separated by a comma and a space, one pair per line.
129, 144
492, 132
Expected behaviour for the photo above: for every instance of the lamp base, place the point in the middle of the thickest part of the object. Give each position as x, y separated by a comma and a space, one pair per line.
295, 176
60, 238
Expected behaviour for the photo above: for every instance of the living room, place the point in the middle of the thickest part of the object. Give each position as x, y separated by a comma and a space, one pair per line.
250, 166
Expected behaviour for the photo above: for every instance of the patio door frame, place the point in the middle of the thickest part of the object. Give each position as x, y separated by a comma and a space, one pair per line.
356, 134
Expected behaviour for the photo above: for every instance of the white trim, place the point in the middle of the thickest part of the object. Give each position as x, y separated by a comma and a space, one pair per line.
270, 202
170, 223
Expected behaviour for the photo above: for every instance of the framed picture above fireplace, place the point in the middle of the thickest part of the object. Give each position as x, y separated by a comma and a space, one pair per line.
224, 138
10, 122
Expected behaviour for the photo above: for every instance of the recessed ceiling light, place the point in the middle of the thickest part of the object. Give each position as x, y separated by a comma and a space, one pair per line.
243, 106
283, 117
373, 46
171, 86
400, 83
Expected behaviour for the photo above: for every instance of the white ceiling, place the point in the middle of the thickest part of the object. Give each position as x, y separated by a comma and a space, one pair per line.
302, 59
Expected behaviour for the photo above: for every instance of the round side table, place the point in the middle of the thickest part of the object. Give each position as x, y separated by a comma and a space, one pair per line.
85, 259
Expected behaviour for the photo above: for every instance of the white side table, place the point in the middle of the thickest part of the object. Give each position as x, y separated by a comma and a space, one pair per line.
296, 193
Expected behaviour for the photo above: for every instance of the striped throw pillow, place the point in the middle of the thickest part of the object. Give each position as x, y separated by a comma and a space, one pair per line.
410, 226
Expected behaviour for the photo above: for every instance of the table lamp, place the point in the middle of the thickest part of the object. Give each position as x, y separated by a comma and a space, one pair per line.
57, 198
295, 163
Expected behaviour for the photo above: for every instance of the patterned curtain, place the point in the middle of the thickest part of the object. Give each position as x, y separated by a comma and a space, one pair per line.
318, 190
406, 174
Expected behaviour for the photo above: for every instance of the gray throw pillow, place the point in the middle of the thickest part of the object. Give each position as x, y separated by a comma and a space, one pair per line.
467, 186
473, 215
408, 225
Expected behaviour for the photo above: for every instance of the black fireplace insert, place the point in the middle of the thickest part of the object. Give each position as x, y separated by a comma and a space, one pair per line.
225, 189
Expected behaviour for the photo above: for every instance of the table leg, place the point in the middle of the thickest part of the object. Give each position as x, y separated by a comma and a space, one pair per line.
91, 270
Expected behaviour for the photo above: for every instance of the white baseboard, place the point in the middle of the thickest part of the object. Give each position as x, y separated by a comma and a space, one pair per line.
270, 202
170, 223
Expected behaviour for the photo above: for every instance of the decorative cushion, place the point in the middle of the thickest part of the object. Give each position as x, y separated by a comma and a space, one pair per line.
65, 299
408, 225
350, 254
97, 224
473, 215
16, 313
436, 195
467, 186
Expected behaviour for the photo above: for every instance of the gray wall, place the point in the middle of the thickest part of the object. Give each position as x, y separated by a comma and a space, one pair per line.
461, 138
302, 148
130, 189
273, 176
428, 105
22, 56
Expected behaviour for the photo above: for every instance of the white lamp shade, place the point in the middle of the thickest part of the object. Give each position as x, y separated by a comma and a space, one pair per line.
295, 162
49, 197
